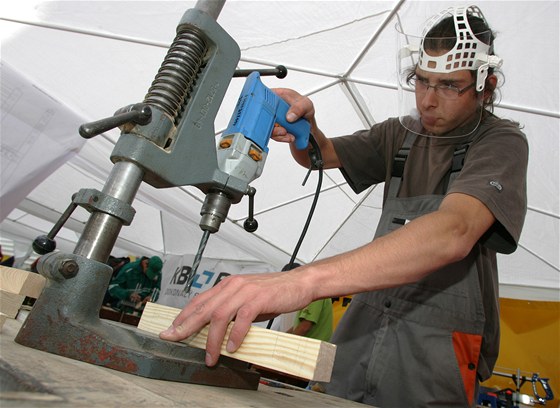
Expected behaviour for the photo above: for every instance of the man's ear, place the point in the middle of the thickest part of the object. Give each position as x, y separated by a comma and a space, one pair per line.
490, 87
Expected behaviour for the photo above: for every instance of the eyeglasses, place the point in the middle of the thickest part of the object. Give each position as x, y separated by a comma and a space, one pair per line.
445, 91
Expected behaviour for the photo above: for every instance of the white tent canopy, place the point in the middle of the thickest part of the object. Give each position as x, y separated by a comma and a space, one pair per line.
65, 63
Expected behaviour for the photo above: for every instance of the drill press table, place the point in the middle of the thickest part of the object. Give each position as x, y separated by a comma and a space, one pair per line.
34, 378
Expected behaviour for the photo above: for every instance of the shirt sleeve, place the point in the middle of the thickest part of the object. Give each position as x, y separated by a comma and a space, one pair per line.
495, 172
311, 312
363, 154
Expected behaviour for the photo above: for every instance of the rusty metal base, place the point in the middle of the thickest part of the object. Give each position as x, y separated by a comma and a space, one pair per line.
65, 321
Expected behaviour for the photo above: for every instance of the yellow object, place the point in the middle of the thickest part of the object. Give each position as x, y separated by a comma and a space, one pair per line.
255, 155
225, 143
530, 342
340, 304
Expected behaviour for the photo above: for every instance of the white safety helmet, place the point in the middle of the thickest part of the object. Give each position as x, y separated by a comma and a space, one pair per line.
468, 53
464, 50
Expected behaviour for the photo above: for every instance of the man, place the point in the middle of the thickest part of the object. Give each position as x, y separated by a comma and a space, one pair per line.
137, 283
422, 329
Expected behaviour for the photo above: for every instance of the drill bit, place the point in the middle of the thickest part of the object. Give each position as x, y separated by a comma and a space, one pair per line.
196, 262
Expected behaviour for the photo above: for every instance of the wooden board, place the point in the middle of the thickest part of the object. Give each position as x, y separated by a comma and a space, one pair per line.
21, 282
296, 355
10, 303
15, 285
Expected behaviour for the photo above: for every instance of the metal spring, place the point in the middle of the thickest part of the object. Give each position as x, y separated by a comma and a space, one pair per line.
178, 72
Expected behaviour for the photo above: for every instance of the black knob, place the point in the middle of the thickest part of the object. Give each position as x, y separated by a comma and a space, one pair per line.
250, 225
44, 245
281, 71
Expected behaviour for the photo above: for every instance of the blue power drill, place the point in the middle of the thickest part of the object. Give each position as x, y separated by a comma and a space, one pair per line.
243, 147
242, 152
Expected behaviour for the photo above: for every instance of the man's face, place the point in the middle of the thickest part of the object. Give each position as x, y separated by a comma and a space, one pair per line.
440, 115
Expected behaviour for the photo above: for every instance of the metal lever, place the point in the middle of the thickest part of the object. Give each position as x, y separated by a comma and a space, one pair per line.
44, 244
279, 72
250, 223
139, 114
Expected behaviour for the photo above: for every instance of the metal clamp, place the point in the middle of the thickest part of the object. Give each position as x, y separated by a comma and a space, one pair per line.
94, 200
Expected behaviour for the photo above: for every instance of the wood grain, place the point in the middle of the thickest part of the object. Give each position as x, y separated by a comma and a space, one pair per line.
10, 303
302, 357
21, 282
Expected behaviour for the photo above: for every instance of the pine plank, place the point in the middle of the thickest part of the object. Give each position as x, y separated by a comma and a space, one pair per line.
302, 357
10, 303
2, 320
21, 282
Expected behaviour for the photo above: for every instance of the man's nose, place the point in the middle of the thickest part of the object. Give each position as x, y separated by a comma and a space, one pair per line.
429, 98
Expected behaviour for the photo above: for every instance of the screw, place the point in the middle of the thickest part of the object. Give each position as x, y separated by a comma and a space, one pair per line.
69, 268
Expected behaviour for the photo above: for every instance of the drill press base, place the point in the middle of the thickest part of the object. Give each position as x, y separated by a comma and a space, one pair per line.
65, 321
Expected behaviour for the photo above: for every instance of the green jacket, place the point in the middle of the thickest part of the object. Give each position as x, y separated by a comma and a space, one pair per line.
132, 279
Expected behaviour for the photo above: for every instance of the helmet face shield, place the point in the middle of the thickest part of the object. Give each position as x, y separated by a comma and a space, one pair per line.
447, 44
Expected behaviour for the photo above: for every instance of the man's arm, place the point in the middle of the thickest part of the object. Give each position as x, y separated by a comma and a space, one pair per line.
403, 256
409, 253
302, 327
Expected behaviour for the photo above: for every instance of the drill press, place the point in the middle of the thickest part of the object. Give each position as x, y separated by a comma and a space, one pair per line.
166, 141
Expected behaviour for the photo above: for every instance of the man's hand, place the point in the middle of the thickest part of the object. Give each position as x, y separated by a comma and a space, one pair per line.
300, 107
239, 298
135, 297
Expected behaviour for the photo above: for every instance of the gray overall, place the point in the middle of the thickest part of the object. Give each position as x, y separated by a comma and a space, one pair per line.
417, 345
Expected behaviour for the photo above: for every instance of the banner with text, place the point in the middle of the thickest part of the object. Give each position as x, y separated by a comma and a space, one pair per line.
176, 269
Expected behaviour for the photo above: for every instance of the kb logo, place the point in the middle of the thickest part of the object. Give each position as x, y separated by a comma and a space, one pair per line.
200, 281
181, 275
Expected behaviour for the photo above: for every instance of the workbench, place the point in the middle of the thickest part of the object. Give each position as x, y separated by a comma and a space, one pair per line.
34, 378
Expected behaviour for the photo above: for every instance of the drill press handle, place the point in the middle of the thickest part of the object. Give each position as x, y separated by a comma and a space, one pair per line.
137, 114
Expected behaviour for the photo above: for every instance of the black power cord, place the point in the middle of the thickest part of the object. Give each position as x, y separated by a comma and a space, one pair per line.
316, 164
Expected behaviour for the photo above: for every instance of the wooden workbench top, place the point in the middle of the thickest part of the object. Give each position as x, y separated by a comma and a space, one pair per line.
62, 382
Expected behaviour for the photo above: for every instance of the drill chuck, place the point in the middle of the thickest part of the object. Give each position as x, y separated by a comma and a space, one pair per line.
214, 211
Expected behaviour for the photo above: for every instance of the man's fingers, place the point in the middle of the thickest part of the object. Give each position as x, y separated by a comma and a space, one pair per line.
300, 106
216, 334
185, 324
241, 326
288, 138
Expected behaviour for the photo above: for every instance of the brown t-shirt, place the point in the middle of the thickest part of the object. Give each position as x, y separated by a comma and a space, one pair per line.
494, 169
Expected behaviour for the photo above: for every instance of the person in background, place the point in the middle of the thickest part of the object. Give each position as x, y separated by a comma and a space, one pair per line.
117, 264
136, 284
423, 326
314, 321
